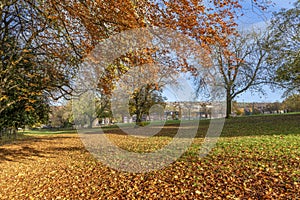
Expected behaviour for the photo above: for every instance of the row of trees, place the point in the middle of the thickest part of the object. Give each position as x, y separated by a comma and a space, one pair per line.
43, 43
62, 116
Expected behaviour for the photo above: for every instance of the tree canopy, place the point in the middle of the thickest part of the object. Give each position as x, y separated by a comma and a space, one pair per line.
285, 48
37, 61
42, 43
242, 64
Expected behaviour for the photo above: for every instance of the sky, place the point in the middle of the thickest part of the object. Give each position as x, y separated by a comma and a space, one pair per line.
254, 19
253, 16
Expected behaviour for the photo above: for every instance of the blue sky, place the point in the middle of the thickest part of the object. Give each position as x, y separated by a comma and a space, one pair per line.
255, 18
253, 15
252, 18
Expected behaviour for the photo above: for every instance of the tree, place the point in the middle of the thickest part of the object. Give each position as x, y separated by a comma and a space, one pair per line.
38, 60
285, 49
143, 99
242, 66
205, 23
103, 106
292, 103
22, 101
142, 87
61, 115
84, 109
236, 109
273, 107
57, 35
89, 106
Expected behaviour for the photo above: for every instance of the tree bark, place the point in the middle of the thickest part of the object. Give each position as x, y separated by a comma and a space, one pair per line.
138, 116
228, 104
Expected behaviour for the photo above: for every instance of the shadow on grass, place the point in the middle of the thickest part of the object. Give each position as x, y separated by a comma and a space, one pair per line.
18, 155
31, 147
25, 148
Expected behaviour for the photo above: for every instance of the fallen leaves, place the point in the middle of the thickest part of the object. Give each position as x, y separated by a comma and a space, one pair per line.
59, 167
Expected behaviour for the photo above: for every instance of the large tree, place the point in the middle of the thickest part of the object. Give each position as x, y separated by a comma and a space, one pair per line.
205, 22
57, 35
242, 66
285, 49
23, 100
39, 55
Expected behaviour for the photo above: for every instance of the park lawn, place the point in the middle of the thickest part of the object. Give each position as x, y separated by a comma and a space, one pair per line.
255, 158
49, 132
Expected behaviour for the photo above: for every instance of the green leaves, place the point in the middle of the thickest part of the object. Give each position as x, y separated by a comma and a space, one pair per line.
21, 99
285, 47
292, 103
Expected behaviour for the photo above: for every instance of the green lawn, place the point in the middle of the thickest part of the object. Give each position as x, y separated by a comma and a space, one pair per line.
282, 124
49, 132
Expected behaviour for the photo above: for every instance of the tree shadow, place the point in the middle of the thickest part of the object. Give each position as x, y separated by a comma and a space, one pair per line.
236, 127
17, 155
25, 149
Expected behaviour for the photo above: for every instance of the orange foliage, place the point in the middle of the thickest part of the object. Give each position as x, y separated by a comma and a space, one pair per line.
206, 23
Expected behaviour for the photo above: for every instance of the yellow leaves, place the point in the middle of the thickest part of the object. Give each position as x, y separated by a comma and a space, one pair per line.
52, 17
127, 59
3, 98
14, 63
183, 69
32, 101
26, 51
29, 108
30, 75
45, 80
33, 85
73, 173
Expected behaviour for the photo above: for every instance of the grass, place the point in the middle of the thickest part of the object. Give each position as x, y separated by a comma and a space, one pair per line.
276, 124
6, 140
262, 125
256, 157
237, 132
49, 132
266, 133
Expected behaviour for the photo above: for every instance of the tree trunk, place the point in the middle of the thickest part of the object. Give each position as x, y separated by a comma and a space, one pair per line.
138, 116
91, 120
228, 104
15, 133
